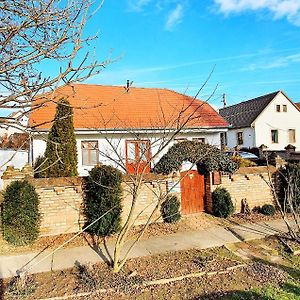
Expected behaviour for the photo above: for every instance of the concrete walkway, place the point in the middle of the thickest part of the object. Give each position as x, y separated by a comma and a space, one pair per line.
67, 258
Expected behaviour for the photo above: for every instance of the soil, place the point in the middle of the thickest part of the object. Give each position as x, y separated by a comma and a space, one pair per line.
128, 284
254, 217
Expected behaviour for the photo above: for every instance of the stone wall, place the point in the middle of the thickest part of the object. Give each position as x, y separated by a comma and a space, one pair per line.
247, 183
146, 201
60, 205
61, 200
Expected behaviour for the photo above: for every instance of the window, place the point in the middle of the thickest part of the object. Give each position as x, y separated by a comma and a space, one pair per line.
274, 136
278, 108
90, 153
292, 135
200, 140
284, 108
138, 155
239, 137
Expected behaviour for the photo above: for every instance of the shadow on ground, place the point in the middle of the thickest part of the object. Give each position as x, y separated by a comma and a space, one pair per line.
96, 246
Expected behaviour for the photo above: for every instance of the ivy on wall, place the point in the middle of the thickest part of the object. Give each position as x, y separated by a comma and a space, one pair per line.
206, 157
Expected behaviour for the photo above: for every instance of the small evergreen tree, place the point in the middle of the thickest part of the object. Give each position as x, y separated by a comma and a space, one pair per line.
103, 192
170, 209
222, 203
39, 167
20, 215
61, 151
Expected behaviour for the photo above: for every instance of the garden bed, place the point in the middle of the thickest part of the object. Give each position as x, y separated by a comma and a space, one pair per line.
219, 273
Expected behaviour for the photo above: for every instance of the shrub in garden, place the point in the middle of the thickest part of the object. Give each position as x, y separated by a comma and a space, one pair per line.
170, 209
243, 162
222, 203
103, 192
268, 210
61, 151
20, 215
39, 167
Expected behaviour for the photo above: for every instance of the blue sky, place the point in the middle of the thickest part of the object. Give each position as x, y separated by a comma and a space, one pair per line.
252, 46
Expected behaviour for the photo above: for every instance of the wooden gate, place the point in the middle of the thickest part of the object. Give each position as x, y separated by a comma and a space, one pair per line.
192, 192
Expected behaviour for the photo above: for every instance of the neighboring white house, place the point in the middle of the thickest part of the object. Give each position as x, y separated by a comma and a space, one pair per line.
115, 123
16, 122
272, 120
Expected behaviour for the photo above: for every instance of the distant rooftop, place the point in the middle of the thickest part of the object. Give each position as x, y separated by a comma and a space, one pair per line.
243, 114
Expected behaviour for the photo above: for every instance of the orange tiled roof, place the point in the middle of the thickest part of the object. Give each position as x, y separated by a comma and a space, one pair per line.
112, 107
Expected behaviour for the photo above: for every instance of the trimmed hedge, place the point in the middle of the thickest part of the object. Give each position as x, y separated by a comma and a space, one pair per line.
20, 215
268, 210
170, 209
61, 150
207, 157
222, 203
103, 192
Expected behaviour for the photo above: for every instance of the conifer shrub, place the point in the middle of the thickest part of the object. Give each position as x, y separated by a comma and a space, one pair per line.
222, 203
170, 209
61, 151
103, 193
20, 214
39, 167
268, 210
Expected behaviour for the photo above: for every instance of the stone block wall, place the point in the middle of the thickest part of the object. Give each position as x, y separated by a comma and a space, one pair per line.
146, 201
60, 205
250, 184
61, 200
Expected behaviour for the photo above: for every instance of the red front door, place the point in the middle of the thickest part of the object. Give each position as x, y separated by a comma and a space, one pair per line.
192, 192
138, 156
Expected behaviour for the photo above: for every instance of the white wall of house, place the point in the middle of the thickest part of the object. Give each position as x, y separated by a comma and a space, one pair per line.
248, 134
282, 121
110, 142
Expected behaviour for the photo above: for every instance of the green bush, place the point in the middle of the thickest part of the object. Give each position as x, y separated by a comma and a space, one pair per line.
103, 192
20, 215
170, 209
61, 151
222, 203
39, 167
268, 210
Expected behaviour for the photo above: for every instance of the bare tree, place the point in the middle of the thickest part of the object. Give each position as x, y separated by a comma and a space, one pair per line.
145, 150
285, 188
39, 35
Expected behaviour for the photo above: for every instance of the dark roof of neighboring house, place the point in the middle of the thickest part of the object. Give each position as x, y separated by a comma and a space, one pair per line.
298, 105
113, 107
243, 114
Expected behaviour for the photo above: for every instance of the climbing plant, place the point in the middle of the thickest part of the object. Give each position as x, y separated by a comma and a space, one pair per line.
207, 157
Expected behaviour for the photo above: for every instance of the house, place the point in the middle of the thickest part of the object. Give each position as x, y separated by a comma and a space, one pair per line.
272, 120
15, 122
114, 123
14, 141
